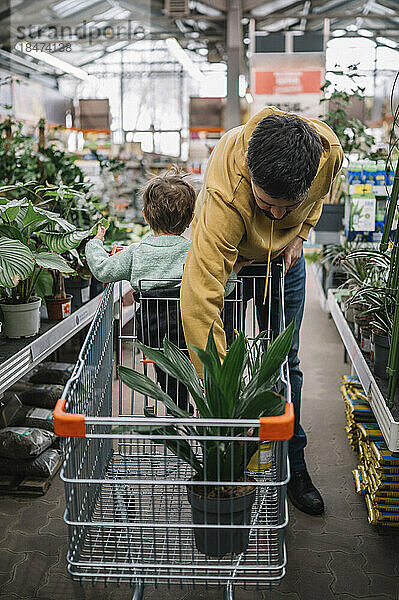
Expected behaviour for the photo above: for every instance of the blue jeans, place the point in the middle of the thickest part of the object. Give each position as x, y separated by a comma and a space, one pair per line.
294, 304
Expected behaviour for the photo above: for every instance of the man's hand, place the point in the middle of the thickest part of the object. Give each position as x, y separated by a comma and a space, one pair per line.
240, 264
293, 253
100, 233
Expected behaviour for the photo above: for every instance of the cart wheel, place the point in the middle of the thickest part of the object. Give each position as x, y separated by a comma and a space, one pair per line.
138, 591
229, 592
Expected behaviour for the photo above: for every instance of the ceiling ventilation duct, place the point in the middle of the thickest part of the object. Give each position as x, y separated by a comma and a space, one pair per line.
176, 8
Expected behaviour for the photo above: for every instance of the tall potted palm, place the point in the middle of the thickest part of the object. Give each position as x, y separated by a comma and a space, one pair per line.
240, 388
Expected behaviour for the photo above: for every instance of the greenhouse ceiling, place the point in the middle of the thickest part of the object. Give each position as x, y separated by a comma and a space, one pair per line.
95, 28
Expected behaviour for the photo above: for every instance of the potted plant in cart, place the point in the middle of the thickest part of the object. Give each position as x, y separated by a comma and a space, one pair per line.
226, 394
32, 240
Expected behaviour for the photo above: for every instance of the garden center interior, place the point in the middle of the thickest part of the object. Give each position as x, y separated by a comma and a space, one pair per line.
115, 480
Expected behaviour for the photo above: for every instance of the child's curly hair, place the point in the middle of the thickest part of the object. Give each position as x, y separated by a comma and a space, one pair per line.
169, 201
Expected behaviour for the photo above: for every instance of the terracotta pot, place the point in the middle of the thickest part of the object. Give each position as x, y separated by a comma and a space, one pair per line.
58, 308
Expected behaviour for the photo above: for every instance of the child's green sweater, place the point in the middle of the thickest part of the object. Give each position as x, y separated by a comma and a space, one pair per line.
159, 258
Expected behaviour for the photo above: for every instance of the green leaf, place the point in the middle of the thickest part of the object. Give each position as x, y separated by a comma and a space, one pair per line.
183, 370
231, 372
144, 385
10, 209
62, 242
213, 392
16, 262
35, 214
211, 346
44, 285
49, 260
269, 369
11, 232
276, 353
264, 403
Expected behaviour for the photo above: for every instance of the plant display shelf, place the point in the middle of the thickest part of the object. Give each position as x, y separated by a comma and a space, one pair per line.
389, 427
323, 238
317, 269
17, 357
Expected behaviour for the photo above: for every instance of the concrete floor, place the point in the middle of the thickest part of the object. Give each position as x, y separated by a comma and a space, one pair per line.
335, 556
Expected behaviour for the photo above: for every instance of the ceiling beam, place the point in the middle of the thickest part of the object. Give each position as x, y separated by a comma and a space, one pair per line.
271, 6
218, 4
333, 15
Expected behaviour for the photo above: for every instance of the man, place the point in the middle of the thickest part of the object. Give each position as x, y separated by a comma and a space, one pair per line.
263, 190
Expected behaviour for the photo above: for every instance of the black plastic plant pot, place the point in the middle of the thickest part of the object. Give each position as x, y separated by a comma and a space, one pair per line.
218, 541
80, 290
381, 353
96, 288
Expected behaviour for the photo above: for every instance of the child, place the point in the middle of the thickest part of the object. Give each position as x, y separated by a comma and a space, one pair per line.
169, 201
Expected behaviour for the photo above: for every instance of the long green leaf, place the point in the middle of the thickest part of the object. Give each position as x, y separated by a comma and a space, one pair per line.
276, 353
269, 369
16, 262
184, 371
50, 260
262, 404
144, 385
231, 372
213, 392
211, 347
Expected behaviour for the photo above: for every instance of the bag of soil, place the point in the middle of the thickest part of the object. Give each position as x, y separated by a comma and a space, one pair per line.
41, 396
10, 406
52, 372
30, 416
44, 465
24, 442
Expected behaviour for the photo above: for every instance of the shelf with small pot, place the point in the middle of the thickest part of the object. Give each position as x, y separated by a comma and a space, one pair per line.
19, 356
389, 427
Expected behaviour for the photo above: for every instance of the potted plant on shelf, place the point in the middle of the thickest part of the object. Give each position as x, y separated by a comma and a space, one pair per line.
32, 240
377, 302
226, 394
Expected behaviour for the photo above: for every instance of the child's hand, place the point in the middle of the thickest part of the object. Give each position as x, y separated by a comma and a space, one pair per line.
100, 233
240, 264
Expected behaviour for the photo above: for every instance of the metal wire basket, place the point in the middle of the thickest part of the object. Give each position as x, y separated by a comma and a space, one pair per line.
136, 509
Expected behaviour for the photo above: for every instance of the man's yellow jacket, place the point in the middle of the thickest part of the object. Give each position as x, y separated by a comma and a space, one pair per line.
228, 224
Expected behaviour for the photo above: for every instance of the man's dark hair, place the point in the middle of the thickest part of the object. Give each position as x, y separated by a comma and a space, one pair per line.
169, 201
283, 156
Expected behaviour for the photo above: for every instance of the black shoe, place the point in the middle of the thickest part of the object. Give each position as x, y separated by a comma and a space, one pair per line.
304, 495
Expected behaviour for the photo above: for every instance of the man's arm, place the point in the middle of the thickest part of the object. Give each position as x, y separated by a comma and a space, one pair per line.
210, 260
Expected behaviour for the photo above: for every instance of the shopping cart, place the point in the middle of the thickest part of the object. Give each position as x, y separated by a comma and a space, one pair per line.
128, 493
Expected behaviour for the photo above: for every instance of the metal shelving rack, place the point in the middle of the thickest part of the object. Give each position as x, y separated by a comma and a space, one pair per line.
389, 427
17, 357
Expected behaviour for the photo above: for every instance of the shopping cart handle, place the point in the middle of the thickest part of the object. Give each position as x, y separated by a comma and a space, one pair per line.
278, 428
68, 425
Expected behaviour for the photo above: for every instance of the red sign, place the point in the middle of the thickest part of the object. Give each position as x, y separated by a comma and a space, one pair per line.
288, 82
